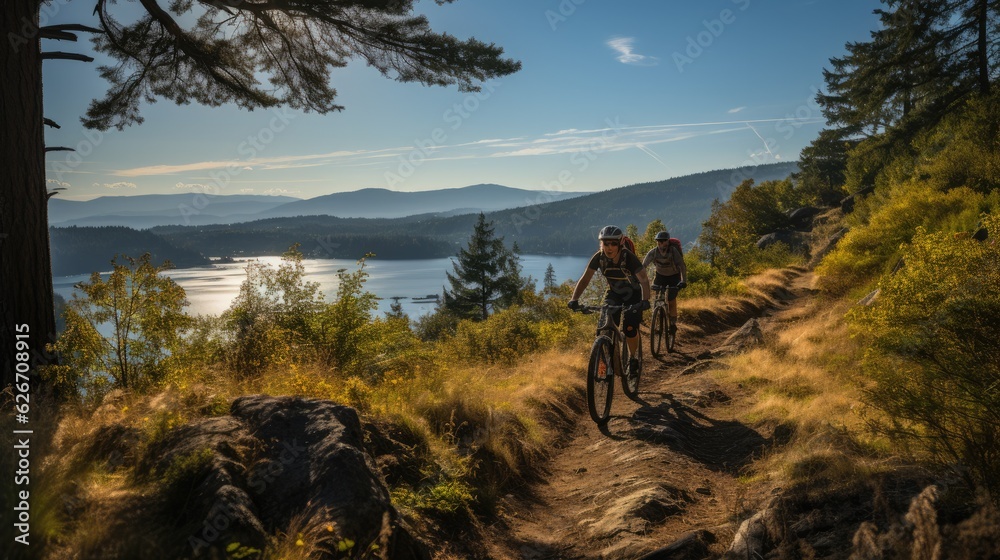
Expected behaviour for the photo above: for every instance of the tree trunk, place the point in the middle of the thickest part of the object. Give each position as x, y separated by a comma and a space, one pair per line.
25, 266
982, 9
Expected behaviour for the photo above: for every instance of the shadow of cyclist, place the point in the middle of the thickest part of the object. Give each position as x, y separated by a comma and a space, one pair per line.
724, 445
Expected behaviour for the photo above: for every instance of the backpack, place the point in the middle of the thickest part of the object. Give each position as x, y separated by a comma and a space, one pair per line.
627, 243
674, 242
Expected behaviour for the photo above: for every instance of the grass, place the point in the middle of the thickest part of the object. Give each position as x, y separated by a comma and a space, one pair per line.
798, 380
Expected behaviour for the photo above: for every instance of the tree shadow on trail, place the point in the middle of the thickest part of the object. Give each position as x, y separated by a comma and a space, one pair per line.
722, 445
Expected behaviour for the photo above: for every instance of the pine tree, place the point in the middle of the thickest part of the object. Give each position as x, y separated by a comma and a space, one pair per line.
251, 54
486, 275
550, 279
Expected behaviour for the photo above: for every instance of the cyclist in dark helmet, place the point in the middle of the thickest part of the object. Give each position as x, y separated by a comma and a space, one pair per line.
670, 271
628, 285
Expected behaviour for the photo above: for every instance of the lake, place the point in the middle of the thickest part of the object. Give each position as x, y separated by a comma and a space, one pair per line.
211, 290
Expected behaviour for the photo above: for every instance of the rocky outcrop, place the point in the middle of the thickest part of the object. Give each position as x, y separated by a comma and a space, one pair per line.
748, 336
847, 203
797, 241
273, 463
801, 218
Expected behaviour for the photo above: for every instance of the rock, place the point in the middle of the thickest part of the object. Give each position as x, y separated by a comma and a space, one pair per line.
827, 246
273, 460
796, 241
847, 203
704, 364
748, 336
756, 535
801, 218
870, 298
691, 546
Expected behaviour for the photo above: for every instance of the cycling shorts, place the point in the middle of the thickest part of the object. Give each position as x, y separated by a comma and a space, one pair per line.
672, 281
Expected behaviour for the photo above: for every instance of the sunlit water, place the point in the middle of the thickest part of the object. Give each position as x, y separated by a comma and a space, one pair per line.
210, 290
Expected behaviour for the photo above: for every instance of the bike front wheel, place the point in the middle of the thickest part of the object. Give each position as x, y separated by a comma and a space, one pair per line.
601, 380
630, 379
657, 331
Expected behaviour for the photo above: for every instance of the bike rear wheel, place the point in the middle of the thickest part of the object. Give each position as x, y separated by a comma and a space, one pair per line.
657, 331
601, 380
671, 334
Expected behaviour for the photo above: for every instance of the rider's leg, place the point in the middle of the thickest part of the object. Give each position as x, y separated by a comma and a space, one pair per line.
672, 281
631, 329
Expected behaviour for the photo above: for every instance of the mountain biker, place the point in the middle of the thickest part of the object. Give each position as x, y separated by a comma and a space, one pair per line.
670, 271
628, 285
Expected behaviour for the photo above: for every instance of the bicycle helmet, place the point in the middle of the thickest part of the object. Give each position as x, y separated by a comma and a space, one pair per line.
610, 232
663, 236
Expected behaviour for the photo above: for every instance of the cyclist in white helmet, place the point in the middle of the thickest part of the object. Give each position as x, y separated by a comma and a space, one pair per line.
628, 285
670, 271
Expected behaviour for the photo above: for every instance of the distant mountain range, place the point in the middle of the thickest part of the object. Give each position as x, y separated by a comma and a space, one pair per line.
145, 211
543, 223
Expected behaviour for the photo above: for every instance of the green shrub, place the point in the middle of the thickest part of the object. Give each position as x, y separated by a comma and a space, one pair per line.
873, 248
504, 336
933, 363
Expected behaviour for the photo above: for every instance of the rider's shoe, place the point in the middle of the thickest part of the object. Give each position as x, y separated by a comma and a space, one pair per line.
673, 328
633, 367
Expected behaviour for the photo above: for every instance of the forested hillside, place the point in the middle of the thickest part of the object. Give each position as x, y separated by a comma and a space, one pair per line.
565, 227
82, 250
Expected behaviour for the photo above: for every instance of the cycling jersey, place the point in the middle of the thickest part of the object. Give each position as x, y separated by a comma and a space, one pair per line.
666, 265
620, 275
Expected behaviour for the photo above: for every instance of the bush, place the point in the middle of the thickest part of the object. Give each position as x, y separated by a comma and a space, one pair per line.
141, 310
729, 235
873, 248
504, 336
933, 365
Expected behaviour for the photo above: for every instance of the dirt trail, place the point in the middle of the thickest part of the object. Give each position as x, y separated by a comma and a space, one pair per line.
660, 469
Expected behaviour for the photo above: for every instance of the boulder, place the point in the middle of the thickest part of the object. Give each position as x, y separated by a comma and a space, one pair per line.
691, 546
847, 203
748, 336
801, 218
796, 241
270, 463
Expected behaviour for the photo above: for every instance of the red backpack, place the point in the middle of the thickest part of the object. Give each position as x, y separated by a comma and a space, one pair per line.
627, 243
674, 242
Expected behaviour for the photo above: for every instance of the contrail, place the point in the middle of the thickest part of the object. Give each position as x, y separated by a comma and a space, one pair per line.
761, 139
653, 155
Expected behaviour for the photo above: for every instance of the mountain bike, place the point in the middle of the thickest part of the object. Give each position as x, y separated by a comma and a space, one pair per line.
660, 333
609, 357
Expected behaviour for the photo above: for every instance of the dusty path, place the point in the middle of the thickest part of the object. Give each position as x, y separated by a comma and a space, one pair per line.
660, 469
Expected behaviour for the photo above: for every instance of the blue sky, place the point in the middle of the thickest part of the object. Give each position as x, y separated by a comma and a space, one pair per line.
610, 94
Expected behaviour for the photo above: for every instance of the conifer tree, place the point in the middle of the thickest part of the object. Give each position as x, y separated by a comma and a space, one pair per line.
486, 275
549, 283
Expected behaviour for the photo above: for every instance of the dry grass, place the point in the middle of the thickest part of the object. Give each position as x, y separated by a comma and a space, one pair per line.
800, 383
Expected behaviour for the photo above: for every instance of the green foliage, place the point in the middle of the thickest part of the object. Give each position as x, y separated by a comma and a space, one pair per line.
343, 323
446, 497
486, 276
142, 309
933, 363
705, 280
185, 471
873, 248
730, 234
204, 56
503, 337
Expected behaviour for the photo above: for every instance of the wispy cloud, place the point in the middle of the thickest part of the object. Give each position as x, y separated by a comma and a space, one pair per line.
57, 183
195, 187
627, 55
736, 109
118, 185
612, 138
